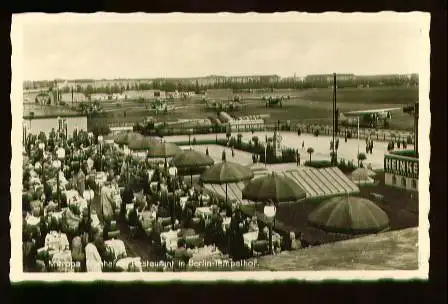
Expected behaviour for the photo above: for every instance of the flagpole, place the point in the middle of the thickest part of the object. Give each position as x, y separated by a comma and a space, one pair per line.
358, 138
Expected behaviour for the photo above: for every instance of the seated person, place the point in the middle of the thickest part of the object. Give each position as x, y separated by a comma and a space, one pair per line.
263, 235
181, 256
163, 211
133, 217
295, 242
253, 225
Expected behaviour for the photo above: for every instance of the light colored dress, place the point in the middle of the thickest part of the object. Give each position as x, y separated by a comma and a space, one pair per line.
93, 259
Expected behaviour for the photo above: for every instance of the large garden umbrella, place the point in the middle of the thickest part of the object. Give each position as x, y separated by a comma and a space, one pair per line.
124, 138
192, 159
273, 187
141, 143
225, 173
163, 150
349, 215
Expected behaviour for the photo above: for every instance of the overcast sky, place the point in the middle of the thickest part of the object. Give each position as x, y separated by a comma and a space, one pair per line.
73, 50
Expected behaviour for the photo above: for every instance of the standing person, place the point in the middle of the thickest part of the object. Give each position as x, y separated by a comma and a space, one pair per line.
233, 152
398, 144
303, 144
81, 181
181, 256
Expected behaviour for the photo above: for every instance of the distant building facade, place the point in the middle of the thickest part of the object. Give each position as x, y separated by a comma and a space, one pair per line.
328, 78
146, 94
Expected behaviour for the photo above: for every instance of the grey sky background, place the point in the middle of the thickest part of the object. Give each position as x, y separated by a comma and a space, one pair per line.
144, 50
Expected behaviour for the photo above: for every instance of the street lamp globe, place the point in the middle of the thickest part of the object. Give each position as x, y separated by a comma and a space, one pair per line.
60, 153
100, 139
56, 164
41, 146
270, 211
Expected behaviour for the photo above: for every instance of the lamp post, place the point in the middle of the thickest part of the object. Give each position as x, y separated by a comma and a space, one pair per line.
59, 124
100, 146
127, 153
190, 131
42, 149
265, 146
269, 212
90, 135
57, 165
88, 196
66, 129
23, 134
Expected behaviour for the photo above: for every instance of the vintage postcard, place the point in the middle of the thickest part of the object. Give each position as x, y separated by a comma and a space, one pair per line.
220, 146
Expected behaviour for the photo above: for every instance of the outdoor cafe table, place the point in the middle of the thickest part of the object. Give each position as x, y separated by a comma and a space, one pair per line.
203, 212
128, 207
183, 200
226, 223
253, 236
205, 198
170, 239
95, 220
73, 198
205, 253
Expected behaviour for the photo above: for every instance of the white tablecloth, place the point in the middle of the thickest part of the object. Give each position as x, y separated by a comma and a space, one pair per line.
117, 247
203, 212
253, 236
129, 207
226, 223
73, 198
205, 198
183, 201
101, 177
249, 237
205, 253
169, 239
95, 220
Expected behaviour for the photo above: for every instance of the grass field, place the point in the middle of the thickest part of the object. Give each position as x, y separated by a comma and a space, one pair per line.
381, 95
306, 105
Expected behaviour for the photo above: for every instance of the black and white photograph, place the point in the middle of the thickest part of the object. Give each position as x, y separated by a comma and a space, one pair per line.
220, 146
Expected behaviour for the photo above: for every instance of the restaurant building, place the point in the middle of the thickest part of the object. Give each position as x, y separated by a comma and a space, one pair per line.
401, 170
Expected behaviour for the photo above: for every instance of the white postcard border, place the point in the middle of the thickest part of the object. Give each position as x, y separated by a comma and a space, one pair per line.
16, 272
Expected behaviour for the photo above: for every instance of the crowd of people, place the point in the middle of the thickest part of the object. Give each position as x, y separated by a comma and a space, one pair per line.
81, 195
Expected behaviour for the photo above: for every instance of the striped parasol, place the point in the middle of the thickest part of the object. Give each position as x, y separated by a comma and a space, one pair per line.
225, 173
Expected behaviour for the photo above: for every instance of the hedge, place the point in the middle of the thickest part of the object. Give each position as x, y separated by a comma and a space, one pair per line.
408, 153
346, 167
288, 155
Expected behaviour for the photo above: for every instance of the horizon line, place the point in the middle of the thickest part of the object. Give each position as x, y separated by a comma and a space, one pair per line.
217, 76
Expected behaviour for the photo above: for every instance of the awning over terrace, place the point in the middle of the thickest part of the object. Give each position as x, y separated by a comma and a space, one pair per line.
315, 182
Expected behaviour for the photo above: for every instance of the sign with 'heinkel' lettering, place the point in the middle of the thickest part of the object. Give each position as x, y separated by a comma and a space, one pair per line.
399, 165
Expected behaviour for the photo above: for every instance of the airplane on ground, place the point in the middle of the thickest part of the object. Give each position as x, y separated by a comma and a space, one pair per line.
376, 118
230, 105
273, 101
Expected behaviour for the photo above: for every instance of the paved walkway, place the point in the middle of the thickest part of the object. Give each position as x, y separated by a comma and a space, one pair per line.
321, 145
395, 250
